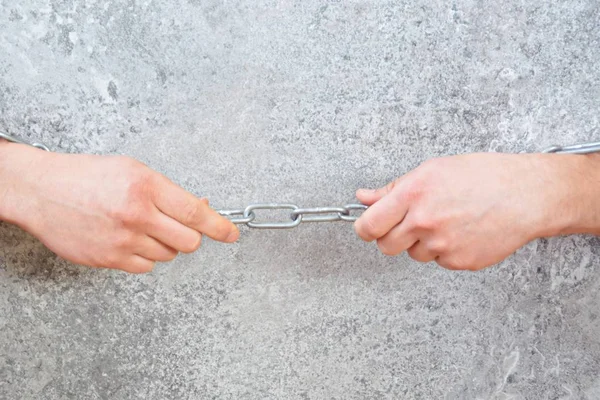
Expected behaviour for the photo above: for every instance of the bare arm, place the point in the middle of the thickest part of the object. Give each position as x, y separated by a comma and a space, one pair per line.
472, 211
103, 211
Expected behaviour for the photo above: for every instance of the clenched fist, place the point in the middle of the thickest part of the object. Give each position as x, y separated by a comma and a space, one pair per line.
472, 211
103, 211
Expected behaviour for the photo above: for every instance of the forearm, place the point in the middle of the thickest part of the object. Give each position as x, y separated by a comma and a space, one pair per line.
575, 180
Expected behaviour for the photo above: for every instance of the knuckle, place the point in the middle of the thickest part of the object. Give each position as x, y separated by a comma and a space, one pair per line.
415, 255
135, 212
128, 164
135, 215
386, 248
192, 244
140, 268
390, 186
459, 263
423, 221
138, 185
134, 208
451, 265
135, 174
437, 246
171, 255
367, 229
424, 179
471, 263
148, 267
192, 213
111, 260
124, 240
411, 252
415, 190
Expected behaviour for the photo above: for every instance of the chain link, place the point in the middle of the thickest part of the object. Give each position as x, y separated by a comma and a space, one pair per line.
584, 148
15, 140
297, 215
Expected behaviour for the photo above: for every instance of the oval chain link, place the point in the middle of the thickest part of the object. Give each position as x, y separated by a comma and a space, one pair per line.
584, 148
272, 225
15, 140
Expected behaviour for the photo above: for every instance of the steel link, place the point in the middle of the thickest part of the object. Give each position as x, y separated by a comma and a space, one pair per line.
232, 213
15, 140
352, 207
317, 212
272, 225
584, 148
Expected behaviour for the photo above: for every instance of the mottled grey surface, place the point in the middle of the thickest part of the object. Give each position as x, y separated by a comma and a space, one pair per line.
304, 101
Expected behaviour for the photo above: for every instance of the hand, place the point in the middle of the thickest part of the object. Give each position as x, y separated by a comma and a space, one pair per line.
472, 211
103, 211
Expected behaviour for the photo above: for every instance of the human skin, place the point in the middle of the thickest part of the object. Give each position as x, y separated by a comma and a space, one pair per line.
103, 211
471, 211
464, 212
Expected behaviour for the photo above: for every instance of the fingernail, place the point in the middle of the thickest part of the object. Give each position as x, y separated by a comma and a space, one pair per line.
366, 191
233, 236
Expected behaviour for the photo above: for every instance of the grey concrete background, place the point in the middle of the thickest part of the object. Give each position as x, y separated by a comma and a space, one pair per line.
305, 101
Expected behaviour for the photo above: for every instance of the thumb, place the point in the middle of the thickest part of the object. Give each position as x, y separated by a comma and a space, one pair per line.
371, 196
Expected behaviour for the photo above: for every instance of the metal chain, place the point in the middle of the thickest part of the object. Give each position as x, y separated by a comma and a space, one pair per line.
15, 140
584, 148
297, 215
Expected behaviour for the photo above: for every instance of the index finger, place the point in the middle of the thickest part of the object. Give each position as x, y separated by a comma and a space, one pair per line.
192, 211
382, 216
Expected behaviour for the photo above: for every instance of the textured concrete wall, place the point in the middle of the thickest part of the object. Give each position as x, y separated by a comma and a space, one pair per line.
305, 101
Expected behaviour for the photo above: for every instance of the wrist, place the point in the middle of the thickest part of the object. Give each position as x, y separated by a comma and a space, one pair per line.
573, 195
17, 174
